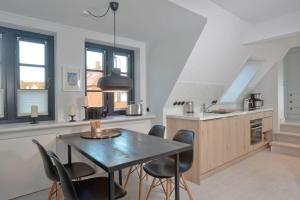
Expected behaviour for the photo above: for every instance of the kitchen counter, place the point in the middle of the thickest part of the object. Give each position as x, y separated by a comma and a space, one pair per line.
222, 139
209, 116
17, 127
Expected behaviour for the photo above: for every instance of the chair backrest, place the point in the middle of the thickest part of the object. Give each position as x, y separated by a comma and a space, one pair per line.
158, 131
68, 189
185, 158
48, 165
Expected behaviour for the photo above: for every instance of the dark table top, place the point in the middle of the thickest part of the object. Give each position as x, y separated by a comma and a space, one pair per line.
126, 150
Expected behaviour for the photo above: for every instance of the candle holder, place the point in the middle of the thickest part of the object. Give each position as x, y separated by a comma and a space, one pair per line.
34, 120
72, 118
86, 114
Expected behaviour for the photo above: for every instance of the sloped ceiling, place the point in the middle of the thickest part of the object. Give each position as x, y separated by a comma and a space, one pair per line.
255, 11
141, 20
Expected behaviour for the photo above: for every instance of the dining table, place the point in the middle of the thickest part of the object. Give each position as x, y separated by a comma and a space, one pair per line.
129, 149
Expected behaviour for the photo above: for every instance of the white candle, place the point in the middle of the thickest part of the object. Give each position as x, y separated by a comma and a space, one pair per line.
72, 111
34, 111
86, 102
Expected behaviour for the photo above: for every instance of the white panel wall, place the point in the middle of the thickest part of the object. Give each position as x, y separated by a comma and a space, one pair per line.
21, 168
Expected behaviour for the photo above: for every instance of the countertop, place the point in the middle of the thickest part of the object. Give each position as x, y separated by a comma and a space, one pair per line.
209, 116
15, 127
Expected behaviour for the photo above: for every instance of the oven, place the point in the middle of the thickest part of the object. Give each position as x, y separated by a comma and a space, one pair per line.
256, 131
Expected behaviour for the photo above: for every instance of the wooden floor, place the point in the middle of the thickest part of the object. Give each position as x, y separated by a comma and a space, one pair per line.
264, 176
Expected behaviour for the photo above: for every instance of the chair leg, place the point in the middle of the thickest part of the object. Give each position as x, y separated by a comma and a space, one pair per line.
150, 189
58, 190
168, 189
128, 176
140, 181
53, 187
186, 187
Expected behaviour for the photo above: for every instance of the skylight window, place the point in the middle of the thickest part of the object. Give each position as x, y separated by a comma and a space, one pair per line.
241, 82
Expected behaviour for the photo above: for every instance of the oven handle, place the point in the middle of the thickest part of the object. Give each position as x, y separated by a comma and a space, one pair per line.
255, 128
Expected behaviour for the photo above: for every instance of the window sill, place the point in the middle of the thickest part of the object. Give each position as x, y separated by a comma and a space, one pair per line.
17, 127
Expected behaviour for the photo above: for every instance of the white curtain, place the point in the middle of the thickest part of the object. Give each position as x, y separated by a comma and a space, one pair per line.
27, 98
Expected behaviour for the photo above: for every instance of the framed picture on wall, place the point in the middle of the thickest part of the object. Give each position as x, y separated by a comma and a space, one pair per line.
71, 79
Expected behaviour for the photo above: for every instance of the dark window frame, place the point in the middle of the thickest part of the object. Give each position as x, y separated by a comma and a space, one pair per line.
11, 65
109, 51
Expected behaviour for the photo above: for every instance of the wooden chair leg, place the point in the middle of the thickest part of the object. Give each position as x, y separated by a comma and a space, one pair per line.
187, 187
150, 189
127, 177
58, 191
140, 182
168, 189
53, 187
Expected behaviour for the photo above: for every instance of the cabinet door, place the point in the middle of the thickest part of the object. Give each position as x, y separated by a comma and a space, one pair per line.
234, 138
267, 124
211, 145
21, 168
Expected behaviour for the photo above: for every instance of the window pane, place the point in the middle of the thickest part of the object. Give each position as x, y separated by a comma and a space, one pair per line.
27, 98
94, 60
32, 53
92, 80
95, 99
1, 62
121, 62
120, 100
1, 81
32, 77
1, 103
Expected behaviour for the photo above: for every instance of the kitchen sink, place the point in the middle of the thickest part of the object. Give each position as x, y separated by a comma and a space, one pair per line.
221, 111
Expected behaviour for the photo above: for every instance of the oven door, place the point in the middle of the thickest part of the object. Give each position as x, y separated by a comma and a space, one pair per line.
256, 135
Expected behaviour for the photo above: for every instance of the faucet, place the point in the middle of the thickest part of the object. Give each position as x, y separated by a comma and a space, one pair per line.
206, 109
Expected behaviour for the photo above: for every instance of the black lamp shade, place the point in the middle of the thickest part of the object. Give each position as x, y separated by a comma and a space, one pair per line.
115, 82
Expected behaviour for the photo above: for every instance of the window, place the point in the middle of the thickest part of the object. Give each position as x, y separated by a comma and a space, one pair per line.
1, 79
241, 82
28, 65
100, 60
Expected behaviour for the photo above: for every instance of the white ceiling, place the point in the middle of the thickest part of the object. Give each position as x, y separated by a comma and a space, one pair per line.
144, 20
255, 11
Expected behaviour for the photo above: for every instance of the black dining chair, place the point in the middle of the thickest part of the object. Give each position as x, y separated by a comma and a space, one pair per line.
162, 170
156, 131
88, 189
76, 170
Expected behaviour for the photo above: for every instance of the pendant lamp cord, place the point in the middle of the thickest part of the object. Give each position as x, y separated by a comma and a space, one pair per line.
99, 16
114, 29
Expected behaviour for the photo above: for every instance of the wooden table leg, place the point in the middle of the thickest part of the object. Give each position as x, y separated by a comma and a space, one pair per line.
69, 155
120, 177
111, 186
140, 181
177, 177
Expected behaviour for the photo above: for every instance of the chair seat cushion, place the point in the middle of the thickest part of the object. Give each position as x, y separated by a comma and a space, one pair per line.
163, 168
96, 189
79, 170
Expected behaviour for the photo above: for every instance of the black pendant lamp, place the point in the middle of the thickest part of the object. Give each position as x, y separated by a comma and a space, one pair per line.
113, 82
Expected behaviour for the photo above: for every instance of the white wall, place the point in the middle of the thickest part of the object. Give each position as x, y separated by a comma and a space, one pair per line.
166, 59
283, 26
69, 51
269, 88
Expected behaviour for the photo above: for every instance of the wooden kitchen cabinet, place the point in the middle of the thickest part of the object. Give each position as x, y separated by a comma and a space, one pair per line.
267, 124
211, 144
220, 141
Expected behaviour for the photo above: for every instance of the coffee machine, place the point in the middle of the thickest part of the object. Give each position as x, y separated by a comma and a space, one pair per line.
254, 102
257, 101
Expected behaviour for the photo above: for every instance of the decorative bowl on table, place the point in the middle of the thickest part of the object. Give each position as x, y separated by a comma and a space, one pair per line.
98, 133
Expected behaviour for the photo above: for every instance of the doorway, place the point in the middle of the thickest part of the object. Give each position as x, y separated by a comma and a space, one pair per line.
292, 85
